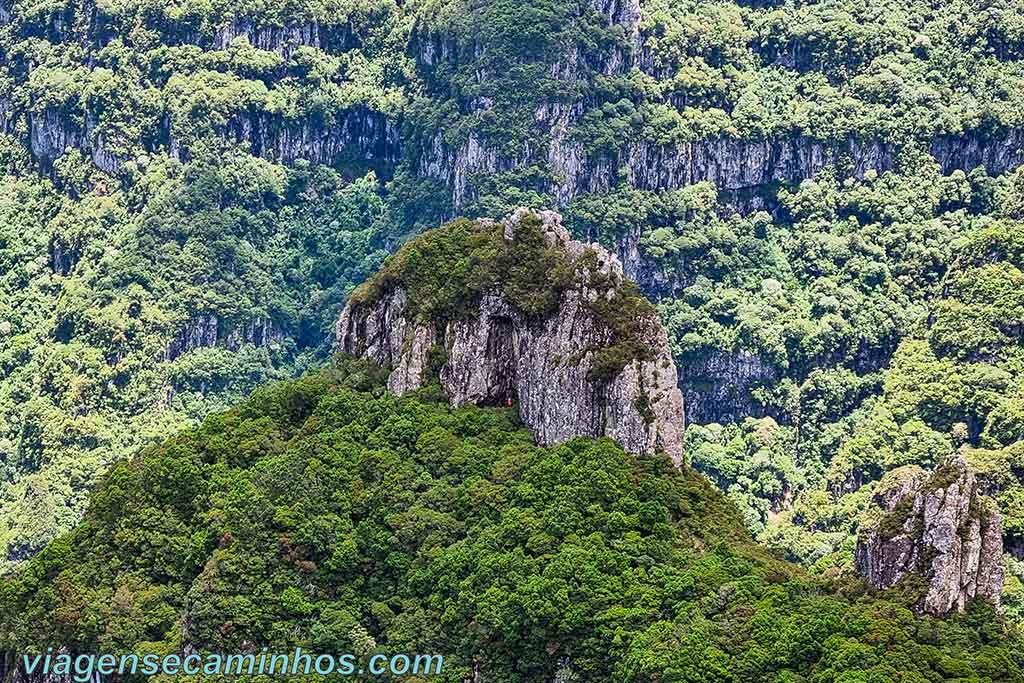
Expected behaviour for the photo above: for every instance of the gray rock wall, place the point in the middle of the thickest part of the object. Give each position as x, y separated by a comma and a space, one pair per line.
499, 354
718, 387
739, 167
355, 135
732, 164
207, 330
939, 527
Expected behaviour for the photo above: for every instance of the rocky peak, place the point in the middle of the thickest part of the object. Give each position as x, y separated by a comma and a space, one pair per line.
939, 527
516, 311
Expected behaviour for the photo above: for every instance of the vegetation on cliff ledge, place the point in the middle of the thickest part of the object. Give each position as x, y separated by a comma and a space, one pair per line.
446, 272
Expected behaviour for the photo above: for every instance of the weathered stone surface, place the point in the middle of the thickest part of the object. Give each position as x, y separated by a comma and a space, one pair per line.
732, 164
498, 353
718, 386
355, 135
740, 167
52, 133
207, 330
939, 527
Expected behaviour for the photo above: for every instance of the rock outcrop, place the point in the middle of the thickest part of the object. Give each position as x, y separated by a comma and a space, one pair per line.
938, 527
735, 165
357, 135
550, 365
719, 386
207, 330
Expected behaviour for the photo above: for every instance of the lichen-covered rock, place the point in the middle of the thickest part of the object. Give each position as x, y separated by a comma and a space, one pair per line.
938, 527
574, 370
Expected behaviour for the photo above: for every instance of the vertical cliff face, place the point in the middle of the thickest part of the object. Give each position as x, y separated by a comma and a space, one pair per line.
743, 167
719, 386
357, 135
936, 526
207, 330
596, 362
739, 165
733, 163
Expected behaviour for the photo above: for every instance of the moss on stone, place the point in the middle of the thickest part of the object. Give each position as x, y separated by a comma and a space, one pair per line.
619, 305
894, 523
447, 271
642, 403
945, 475
437, 356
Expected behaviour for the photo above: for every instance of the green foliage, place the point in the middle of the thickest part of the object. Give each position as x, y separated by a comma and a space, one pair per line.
126, 315
871, 324
509, 54
327, 514
752, 462
827, 70
864, 322
875, 324
446, 272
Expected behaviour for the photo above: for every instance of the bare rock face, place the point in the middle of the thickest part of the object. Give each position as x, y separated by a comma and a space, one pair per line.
546, 365
939, 527
206, 330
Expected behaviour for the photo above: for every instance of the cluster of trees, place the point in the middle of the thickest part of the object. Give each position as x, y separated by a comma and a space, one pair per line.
162, 263
327, 514
868, 324
131, 77
843, 272
828, 70
125, 315
188, 75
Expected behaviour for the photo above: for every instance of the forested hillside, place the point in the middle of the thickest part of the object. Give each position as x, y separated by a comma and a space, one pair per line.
822, 198
327, 514
129, 313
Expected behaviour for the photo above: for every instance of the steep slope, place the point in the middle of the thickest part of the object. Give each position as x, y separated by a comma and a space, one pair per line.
126, 315
328, 514
954, 384
548, 324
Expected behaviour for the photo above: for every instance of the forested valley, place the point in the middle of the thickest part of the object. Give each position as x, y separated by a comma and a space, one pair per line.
823, 200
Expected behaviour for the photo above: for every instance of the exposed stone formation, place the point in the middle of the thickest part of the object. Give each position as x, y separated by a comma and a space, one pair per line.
743, 169
939, 527
544, 365
207, 330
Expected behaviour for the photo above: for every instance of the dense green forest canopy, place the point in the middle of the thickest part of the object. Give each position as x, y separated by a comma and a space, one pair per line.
127, 315
190, 191
326, 513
